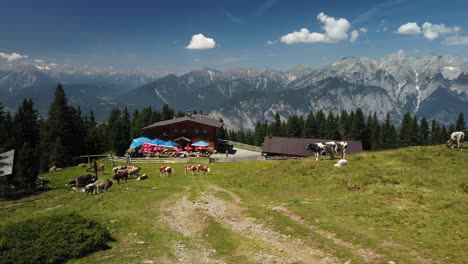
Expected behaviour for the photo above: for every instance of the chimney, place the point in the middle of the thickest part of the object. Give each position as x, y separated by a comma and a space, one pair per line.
189, 113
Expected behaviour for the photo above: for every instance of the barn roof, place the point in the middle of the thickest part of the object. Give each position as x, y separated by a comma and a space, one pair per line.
297, 146
201, 119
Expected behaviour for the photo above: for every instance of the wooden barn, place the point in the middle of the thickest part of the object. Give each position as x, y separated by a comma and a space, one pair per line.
296, 147
186, 130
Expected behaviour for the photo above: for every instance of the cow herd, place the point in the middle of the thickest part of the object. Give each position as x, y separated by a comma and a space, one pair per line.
91, 185
328, 148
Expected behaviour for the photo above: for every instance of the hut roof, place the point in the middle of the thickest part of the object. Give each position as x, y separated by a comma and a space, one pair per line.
206, 120
297, 146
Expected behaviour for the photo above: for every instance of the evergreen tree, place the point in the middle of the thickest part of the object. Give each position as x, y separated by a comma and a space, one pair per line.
321, 121
167, 113
310, 126
294, 126
27, 142
424, 132
276, 126
343, 125
406, 130
460, 126
358, 125
375, 140
56, 128
6, 131
437, 136
332, 127
388, 134
415, 133
261, 130
222, 131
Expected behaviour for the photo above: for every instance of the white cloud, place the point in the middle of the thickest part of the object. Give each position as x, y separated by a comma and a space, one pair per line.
363, 30
432, 31
201, 42
410, 28
456, 41
12, 56
354, 35
428, 30
38, 61
271, 42
385, 28
196, 60
336, 30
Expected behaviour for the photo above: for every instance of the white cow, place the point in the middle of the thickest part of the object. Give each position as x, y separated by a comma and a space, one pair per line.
455, 138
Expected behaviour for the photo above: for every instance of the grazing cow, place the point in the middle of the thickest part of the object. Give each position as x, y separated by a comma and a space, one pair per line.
90, 188
341, 162
319, 149
103, 185
342, 147
142, 177
455, 138
84, 180
165, 171
118, 168
203, 168
101, 167
134, 171
121, 175
191, 168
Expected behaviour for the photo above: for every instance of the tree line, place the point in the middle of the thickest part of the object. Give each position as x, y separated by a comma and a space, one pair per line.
354, 125
67, 133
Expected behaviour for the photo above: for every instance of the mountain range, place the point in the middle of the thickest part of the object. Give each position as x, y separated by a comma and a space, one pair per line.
431, 86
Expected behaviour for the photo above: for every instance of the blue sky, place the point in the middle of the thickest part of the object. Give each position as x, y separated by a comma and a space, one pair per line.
156, 35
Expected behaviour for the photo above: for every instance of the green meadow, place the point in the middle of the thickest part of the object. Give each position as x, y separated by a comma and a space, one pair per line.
408, 205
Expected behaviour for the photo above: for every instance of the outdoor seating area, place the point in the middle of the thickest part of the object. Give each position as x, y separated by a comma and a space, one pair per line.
145, 147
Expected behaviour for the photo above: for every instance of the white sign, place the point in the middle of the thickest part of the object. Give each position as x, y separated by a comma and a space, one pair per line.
6, 162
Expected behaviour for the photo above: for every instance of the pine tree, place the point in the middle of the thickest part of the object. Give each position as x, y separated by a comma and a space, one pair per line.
424, 132
406, 130
388, 135
321, 121
343, 125
460, 126
56, 128
375, 141
415, 133
27, 142
294, 126
358, 125
222, 131
310, 126
276, 126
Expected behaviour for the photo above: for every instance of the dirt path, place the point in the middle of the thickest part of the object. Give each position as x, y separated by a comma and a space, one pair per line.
189, 219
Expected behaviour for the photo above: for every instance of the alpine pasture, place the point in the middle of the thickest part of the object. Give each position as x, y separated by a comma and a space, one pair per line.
407, 205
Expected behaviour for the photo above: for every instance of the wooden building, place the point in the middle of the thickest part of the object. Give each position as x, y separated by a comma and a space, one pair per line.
296, 147
186, 130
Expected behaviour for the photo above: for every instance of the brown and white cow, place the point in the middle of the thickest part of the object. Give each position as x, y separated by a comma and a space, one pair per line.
103, 185
192, 168
133, 171
142, 177
165, 171
205, 169
121, 175
101, 168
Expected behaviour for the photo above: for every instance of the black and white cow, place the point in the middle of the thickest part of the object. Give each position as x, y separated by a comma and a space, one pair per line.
319, 149
342, 147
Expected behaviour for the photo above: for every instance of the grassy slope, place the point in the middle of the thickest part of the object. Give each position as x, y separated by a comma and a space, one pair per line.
408, 205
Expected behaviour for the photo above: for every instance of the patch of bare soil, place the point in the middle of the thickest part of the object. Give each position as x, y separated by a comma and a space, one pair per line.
367, 254
189, 218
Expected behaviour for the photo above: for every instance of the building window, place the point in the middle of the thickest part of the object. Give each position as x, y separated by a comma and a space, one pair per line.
204, 132
196, 131
183, 131
175, 130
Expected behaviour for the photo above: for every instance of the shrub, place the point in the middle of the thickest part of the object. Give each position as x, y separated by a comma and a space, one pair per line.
51, 239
